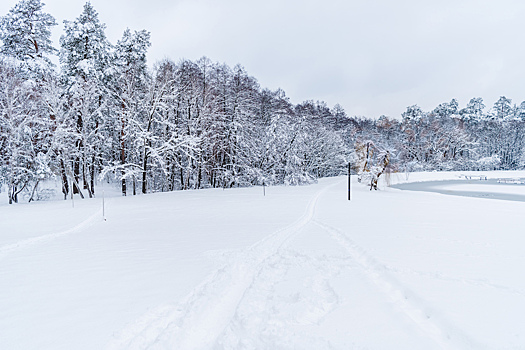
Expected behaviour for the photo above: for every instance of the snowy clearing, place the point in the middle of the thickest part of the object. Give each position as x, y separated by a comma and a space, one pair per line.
301, 267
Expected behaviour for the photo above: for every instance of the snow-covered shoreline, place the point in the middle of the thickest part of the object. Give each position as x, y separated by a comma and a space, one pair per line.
399, 178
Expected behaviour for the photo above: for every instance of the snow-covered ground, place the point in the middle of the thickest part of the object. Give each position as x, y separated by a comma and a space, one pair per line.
299, 268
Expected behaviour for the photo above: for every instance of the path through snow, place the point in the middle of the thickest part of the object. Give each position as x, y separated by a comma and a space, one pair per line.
232, 269
203, 315
266, 293
4, 250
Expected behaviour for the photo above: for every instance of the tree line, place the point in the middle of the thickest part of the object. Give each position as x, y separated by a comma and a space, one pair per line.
103, 114
445, 138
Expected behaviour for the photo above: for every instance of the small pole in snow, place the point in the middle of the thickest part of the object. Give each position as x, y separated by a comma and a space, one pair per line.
264, 189
349, 181
72, 197
103, 207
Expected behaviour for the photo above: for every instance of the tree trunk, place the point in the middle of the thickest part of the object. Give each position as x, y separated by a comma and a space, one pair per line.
169, 176
123, 185
85, 183
33, 192
123, 154
76, 175
199, 177
65, 184
15, 194
10, 193
76, 167
75, 184
144, 169
92, 175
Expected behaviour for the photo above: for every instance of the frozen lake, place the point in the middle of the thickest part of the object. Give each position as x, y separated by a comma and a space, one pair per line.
490, 189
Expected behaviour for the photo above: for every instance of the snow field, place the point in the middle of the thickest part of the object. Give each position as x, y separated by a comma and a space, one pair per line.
300, 268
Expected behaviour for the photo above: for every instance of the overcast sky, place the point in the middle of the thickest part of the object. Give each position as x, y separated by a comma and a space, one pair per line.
372, 57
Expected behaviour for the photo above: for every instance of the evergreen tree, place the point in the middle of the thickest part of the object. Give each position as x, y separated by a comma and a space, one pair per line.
473, 111
502, 108
84, 56
26, 36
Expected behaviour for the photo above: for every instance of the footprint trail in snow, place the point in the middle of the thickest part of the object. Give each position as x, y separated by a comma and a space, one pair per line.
273, 295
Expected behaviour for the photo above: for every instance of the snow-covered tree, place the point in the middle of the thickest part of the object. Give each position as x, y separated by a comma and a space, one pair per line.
23, 133
127, 86
520, 111
502, 108
473, 111
84, 56
84, 48
26, 36
447, 109
371, 162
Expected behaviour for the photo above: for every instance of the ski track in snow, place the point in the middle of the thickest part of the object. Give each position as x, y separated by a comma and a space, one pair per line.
471, 281
9, 248
277, 300
445, 335
204, 314
213, 315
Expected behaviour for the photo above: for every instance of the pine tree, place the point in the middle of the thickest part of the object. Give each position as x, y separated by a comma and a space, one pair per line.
84, 56
473, 112
26, 35
84, 47
502, 108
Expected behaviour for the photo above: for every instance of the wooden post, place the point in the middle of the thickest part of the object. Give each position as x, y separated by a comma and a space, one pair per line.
349, 181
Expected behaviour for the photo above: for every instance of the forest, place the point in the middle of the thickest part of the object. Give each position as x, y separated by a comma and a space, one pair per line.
104, 114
